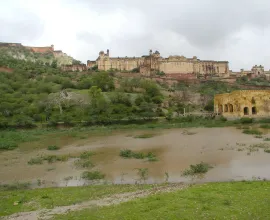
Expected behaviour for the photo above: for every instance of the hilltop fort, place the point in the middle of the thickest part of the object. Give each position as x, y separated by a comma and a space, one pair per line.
172, 66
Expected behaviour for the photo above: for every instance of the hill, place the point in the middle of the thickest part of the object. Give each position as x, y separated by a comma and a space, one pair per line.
45, 55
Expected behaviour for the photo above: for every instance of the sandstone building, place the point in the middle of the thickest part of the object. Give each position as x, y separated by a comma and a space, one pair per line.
243, 103
171, 66
256, 71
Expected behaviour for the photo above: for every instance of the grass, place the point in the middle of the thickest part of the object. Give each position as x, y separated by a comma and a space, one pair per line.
94, 175
200, 168
138, 155
266, 139
36, 161
8, 145
231, 200
86, 155
53, 147
84, 163
265, 126
52, 197
256, 147
49, 158
144, 136
252, 131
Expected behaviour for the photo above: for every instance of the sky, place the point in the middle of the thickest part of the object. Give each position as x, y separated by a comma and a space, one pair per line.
237, 31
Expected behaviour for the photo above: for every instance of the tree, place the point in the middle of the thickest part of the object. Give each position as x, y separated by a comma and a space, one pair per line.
103, 81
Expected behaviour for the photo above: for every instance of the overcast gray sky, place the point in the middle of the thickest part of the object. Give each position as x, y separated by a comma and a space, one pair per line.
233, 30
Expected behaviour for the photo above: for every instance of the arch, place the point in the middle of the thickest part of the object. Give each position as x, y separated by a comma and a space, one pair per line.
220, 108
230, 108
246, 111
226, 108
254, 110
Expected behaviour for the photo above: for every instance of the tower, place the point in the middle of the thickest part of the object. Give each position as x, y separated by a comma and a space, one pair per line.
108, 52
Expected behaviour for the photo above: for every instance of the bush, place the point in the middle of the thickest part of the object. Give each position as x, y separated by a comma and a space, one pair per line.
246, 120
35, 161
81, 163
252, 131
53, 147
200, 168
86, 155
8, 145
130, 154
95, 175
126, 153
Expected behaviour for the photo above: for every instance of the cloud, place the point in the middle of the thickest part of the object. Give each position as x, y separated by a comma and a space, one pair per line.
19, 25
233, 30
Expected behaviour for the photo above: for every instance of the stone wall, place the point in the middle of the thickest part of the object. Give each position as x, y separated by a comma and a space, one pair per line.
41, 49
243, 103
74, 68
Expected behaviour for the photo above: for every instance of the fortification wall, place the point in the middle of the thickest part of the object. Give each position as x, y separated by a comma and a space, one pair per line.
41, 49
74, 68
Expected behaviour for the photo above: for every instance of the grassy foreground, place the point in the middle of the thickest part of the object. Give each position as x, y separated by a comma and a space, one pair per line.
30, 200
235, 200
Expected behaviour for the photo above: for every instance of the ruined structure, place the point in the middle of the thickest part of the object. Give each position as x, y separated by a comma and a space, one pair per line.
243, 103
49, 49
173, 66
256, 71
74, 68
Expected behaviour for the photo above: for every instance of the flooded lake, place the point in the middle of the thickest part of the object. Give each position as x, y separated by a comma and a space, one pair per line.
226, 149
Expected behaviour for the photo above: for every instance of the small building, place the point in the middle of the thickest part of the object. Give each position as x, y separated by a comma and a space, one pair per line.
243, 103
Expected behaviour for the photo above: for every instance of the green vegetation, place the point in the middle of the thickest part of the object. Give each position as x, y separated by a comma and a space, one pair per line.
138, 155
256, 147
49, 158
35, 199
53, 147
35, 161
252, 131
84, 160
145, 136
246, 120
200, 168
233, 200
266, 139
94, 175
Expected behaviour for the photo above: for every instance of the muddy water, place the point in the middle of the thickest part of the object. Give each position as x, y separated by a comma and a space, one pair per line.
175, 151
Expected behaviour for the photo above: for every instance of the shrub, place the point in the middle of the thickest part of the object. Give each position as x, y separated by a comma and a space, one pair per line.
252, 131
222, 118
8, 145
266, 126
34, 161
55, 158
14, 186
53, 147
83, 163
130, 154
126, 153
197, 169
95, 175
246, 120
86, 155
267, 139
267, 150
145, 136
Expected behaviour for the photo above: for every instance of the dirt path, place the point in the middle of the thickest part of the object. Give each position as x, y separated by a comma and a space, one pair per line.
112, 200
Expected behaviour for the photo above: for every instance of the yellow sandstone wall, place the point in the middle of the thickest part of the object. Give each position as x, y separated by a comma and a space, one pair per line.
243, 103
